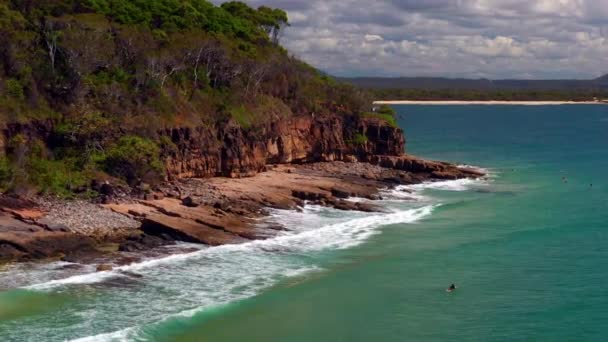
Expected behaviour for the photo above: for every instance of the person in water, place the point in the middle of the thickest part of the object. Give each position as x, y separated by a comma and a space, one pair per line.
451, 288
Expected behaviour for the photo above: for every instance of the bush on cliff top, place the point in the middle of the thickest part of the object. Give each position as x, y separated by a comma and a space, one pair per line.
384, 113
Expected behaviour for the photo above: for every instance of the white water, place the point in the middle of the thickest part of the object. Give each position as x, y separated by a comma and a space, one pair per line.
185, 284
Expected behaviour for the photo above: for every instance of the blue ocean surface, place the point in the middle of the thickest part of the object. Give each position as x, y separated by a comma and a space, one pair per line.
526, 246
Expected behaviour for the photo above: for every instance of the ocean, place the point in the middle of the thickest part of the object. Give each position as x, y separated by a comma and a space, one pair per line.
527, 248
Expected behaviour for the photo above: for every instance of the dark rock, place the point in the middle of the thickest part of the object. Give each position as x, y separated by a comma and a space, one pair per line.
310, 196
144, 242
191, 202
340, 193
107, 189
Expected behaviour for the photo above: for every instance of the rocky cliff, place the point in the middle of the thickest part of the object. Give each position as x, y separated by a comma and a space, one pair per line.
231, 151
219, 210
228, 150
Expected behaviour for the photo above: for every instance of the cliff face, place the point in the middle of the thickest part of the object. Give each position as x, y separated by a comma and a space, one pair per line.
234, 152
230, 151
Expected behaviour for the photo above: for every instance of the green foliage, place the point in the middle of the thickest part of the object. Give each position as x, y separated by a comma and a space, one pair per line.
6, 173
31, 166
165, 16
240, 115
489, 95
10, 19
134, 159
386, 110
101, 77
14, 89
385, 113
167, 146
359, 139
117, 75
388, 118
58, 177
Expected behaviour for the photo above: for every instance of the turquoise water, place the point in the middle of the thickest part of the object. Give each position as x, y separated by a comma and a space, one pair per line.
527, 250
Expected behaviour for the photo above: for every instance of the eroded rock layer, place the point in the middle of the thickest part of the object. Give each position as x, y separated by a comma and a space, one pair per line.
231, 151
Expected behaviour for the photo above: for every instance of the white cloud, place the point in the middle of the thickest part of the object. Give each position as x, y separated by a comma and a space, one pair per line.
459, 38
373, 37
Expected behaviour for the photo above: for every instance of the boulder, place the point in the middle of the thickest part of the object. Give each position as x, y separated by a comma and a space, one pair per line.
191, 202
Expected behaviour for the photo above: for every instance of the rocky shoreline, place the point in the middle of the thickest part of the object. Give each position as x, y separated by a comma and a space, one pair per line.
220, 183
211, 211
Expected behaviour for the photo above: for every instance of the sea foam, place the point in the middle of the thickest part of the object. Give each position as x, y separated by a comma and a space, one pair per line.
335, 235
220, 275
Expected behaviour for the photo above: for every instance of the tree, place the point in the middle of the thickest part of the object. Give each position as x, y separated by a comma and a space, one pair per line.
273, 20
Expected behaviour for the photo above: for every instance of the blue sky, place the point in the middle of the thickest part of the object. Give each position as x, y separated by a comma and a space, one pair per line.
453, 38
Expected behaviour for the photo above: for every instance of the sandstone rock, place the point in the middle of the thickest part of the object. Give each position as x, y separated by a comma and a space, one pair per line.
104, 268
19, 241
231, 151
186, 230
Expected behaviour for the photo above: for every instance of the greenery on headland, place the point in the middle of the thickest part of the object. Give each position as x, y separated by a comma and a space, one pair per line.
462, 89
489, 95
86, 85
385, 113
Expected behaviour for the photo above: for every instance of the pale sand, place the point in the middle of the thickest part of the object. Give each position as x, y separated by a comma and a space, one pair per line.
518, 103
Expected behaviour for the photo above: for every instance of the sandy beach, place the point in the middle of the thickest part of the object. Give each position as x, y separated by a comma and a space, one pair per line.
518, 103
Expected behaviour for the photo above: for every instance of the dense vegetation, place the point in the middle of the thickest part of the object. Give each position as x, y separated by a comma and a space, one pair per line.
429, 88
101, 78
385, 113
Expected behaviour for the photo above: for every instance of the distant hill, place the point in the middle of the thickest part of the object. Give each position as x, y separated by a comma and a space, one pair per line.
436, 83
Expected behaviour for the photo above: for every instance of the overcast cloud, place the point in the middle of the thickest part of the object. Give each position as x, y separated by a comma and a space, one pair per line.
455, 38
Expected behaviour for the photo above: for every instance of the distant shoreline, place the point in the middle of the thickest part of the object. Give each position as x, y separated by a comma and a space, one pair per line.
518, 103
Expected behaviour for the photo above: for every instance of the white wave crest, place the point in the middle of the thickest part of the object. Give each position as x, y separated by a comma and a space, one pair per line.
338, 235
117, 336
449, 185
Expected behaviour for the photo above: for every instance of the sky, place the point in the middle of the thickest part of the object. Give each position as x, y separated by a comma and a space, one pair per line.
542, 39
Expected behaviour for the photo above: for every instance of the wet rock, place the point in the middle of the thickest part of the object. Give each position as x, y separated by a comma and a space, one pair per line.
366, 207
310, 195
340, 193
143, 242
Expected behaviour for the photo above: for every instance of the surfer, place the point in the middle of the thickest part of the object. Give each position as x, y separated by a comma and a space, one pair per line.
451, 288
